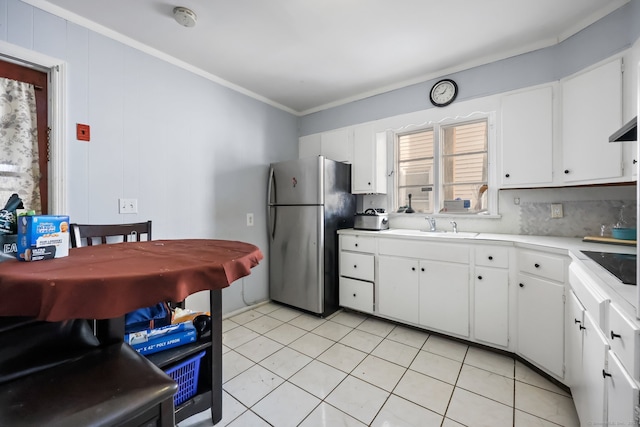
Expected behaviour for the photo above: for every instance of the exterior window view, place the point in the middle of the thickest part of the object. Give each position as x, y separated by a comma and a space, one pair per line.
462, 159
317, 214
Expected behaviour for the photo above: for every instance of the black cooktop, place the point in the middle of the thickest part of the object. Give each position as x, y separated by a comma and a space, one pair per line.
623, 266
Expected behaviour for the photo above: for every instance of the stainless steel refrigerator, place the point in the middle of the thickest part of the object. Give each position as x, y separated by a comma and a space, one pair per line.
309, 199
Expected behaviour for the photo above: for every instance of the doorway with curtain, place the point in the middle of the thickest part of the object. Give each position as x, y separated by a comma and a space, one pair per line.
24, 136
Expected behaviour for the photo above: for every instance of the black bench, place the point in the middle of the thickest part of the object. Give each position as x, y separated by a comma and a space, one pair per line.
58, 374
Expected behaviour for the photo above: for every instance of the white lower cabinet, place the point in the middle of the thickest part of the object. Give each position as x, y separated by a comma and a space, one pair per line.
491, 304
624, 339
416, 286
603, 390
573, 340
462, 289
398, 288
357, 272
444, 297
586, 358
594, 354
540, 316
357, 266
622, 394
356, 294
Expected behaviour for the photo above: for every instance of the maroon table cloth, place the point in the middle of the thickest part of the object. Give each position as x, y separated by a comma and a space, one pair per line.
108, 281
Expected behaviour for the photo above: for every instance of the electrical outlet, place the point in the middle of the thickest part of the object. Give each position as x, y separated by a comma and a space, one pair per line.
249, 220
516, 200
556, 210
128, 206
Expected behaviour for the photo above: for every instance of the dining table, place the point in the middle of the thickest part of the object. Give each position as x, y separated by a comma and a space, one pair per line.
104, 282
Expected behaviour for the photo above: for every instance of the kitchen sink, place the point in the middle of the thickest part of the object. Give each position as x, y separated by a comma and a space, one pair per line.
437, 233
451, 234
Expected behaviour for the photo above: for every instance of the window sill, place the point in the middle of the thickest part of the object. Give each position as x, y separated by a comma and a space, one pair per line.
447, 215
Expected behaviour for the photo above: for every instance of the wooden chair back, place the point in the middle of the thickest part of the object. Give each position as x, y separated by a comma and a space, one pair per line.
90, 234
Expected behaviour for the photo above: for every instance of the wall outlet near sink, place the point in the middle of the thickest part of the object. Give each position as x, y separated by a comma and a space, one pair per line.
556, 210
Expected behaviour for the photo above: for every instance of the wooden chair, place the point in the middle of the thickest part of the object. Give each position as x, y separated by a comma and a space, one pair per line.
88, 234
102, 234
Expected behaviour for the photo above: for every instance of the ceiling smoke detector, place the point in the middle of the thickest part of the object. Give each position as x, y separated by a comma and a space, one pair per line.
184, 16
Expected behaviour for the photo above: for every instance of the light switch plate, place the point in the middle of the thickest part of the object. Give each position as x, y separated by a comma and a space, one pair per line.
556, 210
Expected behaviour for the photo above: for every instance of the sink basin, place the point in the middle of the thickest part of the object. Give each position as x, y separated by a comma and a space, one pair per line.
437, 233
449, 234
402, 232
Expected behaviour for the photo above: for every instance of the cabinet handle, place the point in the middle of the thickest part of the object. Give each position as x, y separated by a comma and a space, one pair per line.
354, 295
536, 265
479, 277
605, 374
566, 171
522, 285
635, 161
582, 327
355, 266
613, 336
490, 258
368, 183
577, 321
356, 245
413, 269
506, 175
422, 269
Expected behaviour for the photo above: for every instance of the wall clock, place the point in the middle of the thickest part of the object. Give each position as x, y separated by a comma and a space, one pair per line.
443, 93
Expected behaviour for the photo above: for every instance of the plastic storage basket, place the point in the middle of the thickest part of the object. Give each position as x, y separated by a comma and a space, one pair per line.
186, 375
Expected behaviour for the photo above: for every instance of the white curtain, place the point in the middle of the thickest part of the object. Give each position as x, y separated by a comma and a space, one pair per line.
19, 168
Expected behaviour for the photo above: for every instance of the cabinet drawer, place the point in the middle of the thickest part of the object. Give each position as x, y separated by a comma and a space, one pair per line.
543, 265
358, 243
594, 301
356, 294
492, 256
357, 266
622, 394
449, 252
624, 339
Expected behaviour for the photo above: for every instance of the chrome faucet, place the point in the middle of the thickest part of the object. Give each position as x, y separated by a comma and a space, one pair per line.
432, 223
455, 226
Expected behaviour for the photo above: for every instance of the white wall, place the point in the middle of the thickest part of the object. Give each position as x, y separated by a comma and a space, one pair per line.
194, 153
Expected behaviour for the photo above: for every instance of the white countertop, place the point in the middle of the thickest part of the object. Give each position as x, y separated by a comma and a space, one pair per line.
623, 295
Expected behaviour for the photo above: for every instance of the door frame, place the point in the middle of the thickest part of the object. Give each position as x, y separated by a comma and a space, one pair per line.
57, 104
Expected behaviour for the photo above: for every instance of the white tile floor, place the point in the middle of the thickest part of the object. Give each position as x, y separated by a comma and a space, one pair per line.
282, 368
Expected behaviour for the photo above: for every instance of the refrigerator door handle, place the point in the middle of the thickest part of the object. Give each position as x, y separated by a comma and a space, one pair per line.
271, 189
271, 186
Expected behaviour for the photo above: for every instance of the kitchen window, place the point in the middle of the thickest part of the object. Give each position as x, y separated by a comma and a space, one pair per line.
443, 168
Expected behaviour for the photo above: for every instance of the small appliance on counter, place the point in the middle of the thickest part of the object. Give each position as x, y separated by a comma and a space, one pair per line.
372, 219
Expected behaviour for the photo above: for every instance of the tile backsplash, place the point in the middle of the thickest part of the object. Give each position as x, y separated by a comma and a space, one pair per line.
581, 218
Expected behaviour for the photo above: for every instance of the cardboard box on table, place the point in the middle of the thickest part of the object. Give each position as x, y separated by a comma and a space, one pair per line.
42, 237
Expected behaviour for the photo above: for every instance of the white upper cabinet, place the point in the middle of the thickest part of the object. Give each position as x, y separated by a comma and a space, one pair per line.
337, 145
309, 146
358, 145
591, 112
527, 138
369, 173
